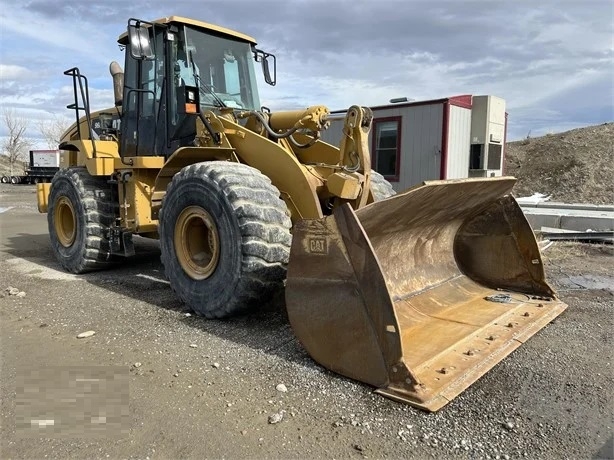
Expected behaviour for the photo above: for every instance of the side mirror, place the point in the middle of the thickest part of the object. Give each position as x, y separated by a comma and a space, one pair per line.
267, 60
139, 42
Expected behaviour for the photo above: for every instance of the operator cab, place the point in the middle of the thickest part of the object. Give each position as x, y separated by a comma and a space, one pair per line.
176, 68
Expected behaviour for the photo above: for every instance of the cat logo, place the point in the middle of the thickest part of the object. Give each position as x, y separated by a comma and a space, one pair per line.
318, 246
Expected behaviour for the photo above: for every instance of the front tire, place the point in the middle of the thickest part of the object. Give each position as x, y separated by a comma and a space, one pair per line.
224, 238
81, 211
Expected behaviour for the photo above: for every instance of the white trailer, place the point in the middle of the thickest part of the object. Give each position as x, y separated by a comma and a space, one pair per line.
42, 166
451, 138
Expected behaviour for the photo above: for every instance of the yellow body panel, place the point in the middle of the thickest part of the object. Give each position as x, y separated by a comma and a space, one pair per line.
141, 162
42, 196
135, 201
318, 153
135, 194
344, 185
207, 26
107, 158
200, 24
100, 166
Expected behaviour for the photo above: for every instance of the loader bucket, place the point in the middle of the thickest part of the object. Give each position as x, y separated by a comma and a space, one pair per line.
420, 294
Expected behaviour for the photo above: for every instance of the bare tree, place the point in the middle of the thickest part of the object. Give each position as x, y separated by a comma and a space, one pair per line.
15, 144
52, 130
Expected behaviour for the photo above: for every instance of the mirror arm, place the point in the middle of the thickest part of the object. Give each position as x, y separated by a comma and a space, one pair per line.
262, 57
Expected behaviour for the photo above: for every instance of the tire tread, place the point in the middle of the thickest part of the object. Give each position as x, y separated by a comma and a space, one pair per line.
98, 205
264, 225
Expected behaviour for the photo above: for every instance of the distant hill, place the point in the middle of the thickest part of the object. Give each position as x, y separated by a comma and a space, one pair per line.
5, 166
575, 166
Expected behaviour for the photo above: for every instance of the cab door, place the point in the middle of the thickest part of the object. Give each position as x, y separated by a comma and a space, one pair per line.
143, 114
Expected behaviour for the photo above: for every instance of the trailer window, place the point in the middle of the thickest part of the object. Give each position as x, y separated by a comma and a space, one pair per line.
476, 156
387, 147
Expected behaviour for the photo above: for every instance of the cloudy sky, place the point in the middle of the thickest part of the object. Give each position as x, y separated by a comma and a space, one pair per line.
552, 61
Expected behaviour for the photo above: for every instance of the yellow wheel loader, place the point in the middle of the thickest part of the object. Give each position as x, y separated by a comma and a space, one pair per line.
418, 293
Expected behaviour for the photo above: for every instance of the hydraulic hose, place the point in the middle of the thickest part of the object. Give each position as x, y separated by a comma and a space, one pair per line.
307, 144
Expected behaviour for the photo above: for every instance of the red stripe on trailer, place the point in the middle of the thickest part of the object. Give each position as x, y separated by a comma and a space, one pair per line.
464, 101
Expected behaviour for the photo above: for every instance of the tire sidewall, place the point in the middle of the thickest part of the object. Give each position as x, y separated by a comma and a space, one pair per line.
381, 188
69, 257
219, 288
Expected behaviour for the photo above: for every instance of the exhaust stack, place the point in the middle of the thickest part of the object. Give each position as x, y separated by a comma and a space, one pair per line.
118, 82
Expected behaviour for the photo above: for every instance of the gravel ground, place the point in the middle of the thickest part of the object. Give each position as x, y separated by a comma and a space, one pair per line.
211, 389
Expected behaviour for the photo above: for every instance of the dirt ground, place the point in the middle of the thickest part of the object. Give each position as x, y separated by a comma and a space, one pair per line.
177, 386
574, 166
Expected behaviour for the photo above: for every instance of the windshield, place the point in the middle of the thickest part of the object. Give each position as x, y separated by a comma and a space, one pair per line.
222, 67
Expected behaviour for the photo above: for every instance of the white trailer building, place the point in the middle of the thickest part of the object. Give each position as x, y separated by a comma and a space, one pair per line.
451, 138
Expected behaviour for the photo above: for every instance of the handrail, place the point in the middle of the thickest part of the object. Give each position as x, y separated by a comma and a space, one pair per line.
85, 98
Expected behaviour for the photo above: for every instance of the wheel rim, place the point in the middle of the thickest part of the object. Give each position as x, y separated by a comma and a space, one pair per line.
65, 221
197, 243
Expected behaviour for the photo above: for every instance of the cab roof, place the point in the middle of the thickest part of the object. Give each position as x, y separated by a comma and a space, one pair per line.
199, 24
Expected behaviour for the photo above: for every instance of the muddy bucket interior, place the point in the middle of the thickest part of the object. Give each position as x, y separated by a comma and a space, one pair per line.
420, 294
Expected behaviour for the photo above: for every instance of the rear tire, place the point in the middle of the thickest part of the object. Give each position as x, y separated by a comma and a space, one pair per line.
224, 238
4, 180
14, 180
81, 211
380, 187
